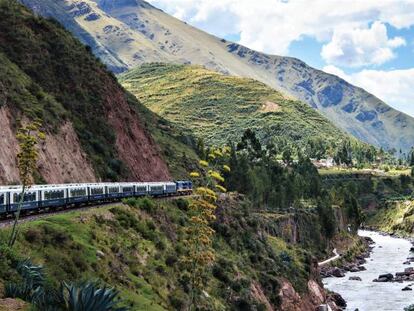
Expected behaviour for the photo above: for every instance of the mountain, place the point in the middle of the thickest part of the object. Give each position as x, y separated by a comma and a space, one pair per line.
219, 108
126, 33
94, 129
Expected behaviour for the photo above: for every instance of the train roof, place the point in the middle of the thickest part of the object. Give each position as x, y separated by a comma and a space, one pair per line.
70, 185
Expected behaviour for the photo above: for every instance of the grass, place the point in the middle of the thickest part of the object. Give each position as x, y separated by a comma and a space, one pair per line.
220, 108
142, 242
394, 217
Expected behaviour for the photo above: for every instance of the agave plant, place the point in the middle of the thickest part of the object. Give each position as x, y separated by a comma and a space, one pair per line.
89, 296
31, 284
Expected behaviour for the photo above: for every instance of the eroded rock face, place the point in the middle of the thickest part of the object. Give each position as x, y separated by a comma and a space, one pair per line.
257, 292
61, 158
292, 301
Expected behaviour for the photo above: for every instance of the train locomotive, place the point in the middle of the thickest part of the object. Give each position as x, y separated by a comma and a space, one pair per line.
39, 197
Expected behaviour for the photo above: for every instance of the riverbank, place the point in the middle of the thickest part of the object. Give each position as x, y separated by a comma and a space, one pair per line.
352, 255
394, 217
358, 289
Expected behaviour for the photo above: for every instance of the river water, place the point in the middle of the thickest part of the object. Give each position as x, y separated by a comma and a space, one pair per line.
388, 256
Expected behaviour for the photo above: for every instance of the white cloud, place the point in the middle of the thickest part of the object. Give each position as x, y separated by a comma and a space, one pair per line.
361, 47
272, 25
394, 86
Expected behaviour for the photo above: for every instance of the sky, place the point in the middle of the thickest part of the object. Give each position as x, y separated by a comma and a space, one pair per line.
369, 43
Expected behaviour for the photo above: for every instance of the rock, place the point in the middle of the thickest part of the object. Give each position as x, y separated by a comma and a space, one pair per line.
409, 270
100, 254
388, 276
406, 288
322, 308
406, 262
380, 280
337, 272
355, 278
336, 299
354, 269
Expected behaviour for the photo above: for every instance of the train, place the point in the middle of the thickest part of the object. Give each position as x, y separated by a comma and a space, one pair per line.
38, 197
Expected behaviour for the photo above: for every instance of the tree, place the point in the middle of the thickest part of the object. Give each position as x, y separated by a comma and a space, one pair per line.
28, 137
326, 215
287, 156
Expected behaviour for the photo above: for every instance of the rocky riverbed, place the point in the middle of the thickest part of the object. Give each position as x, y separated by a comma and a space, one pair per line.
389, 264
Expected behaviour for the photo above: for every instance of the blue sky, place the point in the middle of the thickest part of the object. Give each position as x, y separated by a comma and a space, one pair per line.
368, 43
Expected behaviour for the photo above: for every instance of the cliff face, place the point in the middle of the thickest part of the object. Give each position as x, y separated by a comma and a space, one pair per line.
94, 129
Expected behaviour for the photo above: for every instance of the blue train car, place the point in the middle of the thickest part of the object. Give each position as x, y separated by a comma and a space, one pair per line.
141, 189
3, 201
77, 194
52, 197
170, 188
30, 201
127, 190
156, 189
97, 193
113, 191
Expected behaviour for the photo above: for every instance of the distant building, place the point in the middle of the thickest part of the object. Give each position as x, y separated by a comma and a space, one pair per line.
323, 163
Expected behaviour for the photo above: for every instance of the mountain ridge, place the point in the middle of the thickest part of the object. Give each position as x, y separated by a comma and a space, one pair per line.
94, 129
137, 33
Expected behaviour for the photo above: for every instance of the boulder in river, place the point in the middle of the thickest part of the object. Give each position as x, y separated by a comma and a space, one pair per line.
355, 278
337, 299
384, 278
337, 272
407, 288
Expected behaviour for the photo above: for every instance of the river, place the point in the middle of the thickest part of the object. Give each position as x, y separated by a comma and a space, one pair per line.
388, 256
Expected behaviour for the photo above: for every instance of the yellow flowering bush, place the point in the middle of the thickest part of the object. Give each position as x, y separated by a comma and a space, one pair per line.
200, 255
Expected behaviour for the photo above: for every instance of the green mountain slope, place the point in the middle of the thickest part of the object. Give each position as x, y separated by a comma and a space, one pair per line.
220, 108
137, 249
135, 32
95, 130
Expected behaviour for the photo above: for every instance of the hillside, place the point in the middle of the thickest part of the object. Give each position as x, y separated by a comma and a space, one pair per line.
220, 108
264, 261
127, 33
95, 130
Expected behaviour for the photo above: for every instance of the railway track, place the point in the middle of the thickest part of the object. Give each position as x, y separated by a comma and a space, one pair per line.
4, 223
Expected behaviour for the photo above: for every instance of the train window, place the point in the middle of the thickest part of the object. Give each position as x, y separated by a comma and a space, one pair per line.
113, 189
2, 196
157, 188
54, 194
141, 188
127, 189
79, 192
97, 191
28, 197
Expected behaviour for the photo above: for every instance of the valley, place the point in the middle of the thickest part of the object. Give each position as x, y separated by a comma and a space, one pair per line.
148, 165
